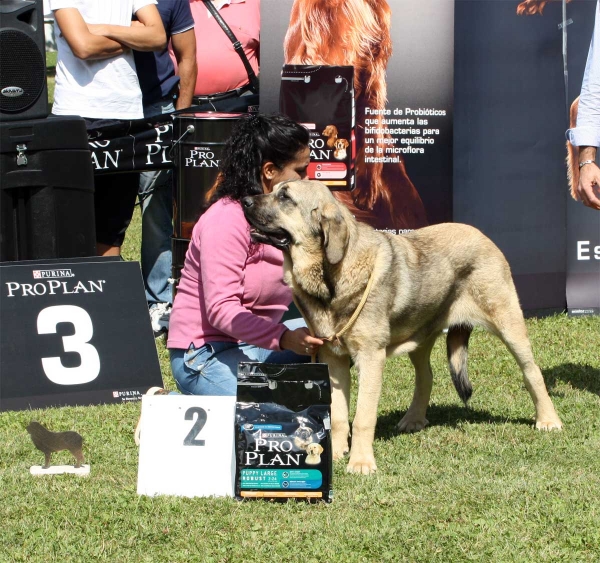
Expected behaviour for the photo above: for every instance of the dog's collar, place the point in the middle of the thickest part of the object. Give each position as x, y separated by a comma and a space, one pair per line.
336, 337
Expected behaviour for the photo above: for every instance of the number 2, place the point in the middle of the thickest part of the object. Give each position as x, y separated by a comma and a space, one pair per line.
190, 439
78, 342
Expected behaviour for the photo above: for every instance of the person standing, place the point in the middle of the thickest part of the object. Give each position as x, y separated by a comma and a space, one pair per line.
586, 135
163, 92
96, 79
223, 83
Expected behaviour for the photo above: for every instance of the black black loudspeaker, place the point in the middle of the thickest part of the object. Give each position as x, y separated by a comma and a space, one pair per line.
23, 90
47, 190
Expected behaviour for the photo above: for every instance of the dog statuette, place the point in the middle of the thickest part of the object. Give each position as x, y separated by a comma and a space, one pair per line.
49, 442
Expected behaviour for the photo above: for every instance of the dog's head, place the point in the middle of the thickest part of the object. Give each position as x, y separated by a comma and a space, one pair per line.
302, 218
34, 427
330, 131
341, 144
313, 229
314, 449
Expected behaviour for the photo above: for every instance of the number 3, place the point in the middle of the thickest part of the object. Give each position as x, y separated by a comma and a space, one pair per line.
89, 368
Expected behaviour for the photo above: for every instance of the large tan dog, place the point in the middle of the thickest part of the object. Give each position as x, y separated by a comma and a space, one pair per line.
444, 276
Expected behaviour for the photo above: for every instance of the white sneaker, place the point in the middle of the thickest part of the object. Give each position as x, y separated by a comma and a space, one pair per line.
160, 313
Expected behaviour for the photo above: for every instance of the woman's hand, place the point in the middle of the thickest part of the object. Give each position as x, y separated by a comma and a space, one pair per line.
300, 341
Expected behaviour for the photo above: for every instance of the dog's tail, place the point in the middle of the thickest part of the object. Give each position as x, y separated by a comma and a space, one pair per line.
457, 345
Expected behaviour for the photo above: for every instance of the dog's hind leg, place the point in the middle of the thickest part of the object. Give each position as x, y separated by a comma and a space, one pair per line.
78, 455
414, 420
370, 364
457, 345
339, 373
510, 326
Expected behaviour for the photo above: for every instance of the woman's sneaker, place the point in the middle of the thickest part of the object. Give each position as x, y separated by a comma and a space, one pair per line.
160, 313
138, 430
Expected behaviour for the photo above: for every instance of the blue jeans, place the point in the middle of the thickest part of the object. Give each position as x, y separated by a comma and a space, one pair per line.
157, 222
212, 368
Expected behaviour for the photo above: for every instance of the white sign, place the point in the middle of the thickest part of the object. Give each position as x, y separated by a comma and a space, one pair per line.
187, 446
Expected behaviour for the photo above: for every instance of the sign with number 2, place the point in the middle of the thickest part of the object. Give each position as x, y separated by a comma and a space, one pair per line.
187, 446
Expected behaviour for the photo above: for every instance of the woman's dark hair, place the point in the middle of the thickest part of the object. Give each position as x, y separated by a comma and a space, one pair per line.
255, 140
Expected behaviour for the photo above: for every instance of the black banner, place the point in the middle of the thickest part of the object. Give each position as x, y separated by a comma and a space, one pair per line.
124, 146
583, 223
510, 122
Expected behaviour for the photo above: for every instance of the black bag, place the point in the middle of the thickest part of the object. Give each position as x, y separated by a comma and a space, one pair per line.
322, 99
283, 432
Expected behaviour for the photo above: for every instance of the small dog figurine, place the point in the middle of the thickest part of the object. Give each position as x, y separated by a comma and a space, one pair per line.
49, 442
313, 452
340, 149
331, 133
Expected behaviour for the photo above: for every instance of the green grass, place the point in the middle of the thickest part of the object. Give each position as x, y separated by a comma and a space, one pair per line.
50, 76
479, 484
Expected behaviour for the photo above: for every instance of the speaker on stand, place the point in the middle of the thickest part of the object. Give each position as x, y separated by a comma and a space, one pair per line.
23, 90
46, 173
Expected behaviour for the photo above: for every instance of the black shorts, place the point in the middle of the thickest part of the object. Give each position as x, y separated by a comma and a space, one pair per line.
114, 202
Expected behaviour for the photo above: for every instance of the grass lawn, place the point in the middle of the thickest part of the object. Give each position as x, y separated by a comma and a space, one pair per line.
479, 484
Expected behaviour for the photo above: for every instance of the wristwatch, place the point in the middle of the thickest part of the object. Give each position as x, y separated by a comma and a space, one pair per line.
582, 164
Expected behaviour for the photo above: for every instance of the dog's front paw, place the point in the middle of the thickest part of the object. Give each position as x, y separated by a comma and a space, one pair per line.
340, 449
551, 423
362, 464
410, 424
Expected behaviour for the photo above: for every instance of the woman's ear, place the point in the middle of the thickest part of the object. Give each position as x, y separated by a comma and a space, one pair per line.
268, 171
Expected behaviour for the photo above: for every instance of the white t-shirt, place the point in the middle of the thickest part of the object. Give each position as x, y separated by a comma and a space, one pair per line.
107, 88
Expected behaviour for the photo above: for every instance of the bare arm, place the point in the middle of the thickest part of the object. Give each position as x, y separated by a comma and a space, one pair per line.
85, 45
184, 47
150, 36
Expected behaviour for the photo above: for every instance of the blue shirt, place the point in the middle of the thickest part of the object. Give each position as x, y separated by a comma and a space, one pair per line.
155, 70
587, 132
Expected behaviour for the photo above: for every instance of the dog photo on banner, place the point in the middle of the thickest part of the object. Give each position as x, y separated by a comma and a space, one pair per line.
403, 90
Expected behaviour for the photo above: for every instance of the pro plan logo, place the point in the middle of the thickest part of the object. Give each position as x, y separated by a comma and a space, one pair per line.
12, 91
52, 274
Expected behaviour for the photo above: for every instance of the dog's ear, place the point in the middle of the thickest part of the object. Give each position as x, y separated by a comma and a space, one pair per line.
335, 233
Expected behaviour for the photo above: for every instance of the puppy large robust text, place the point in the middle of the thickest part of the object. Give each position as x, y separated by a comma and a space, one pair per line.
416, 285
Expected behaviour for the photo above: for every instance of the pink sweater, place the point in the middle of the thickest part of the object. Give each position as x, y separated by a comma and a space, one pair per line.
228, 291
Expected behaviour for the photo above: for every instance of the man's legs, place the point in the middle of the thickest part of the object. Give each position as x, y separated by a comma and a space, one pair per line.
155, 193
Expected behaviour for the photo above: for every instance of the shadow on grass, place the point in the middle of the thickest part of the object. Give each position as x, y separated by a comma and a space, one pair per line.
584, 377
445, 415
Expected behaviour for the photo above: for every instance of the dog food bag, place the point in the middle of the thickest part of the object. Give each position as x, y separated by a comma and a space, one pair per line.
322, 99
283, 432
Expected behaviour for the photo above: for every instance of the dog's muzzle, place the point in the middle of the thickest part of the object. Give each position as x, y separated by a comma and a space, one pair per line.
261, 232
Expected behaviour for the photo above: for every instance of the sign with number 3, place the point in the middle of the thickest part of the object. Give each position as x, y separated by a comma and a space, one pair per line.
187, 446
74, 332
